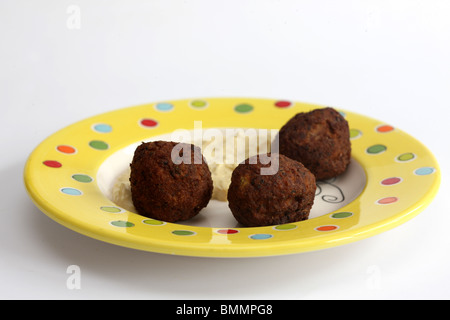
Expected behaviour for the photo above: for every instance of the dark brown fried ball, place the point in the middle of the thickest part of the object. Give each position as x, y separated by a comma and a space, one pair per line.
263, 200
164, 190
320, 140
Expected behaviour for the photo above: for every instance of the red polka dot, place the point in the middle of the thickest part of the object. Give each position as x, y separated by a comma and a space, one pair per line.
391, 181
149, 123
227, 231
283, 104
327, 228
387, 200
52, 164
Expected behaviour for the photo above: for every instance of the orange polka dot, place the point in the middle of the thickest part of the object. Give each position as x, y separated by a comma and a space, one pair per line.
66, 149
385, 128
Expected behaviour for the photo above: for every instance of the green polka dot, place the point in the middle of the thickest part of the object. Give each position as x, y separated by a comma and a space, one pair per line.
99, 145
243, 108
355, 133
285, 227
406, 156
122, 224
376, 149
199, 103
153, 222
183, 232
111, 209
341, 215
82, 178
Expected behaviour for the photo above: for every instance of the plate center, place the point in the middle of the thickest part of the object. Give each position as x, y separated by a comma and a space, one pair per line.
331, 195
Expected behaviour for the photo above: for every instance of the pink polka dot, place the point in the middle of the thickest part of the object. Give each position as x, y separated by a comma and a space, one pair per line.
387, 200
391, 181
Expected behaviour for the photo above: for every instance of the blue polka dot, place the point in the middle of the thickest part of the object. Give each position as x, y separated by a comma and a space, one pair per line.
261, 236
71, 191
102, 128
424, 171
164, 106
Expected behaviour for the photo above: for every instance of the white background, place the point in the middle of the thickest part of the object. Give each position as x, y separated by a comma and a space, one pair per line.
389, 60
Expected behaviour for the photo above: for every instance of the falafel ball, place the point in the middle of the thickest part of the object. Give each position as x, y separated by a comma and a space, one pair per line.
285, 196
166, 189
320, 140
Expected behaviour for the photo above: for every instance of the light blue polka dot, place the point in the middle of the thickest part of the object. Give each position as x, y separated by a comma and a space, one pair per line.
71, 191
164, 106
424, 171
261, 236
102, 128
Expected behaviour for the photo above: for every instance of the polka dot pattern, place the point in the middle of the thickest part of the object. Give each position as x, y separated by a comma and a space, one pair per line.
112, 209
66, 149
198, 104
183, 233
227, 231
391, 181
327, 228
355, 133
52, 163
283, 104
284, 227
100, 140
102, 128
148, 123
152, 222
341, 215
71, 191
424, 171
387, 200
122, 224
376, 149
98, 145
384, 128
261, 236
164, 106
243, 108
84, 178
408, 156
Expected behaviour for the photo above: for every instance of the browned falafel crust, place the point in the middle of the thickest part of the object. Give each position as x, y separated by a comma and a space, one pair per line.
320, 140
262, 200
166, 191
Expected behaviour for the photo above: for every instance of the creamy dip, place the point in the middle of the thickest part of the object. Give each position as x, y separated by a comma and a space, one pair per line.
222, 155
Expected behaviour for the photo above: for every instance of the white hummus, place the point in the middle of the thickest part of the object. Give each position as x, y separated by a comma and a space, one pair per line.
222, 156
